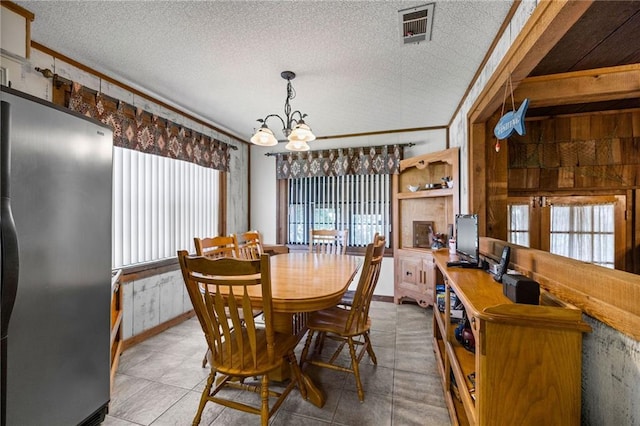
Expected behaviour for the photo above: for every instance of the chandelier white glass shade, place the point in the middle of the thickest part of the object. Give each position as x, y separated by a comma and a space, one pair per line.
293, 126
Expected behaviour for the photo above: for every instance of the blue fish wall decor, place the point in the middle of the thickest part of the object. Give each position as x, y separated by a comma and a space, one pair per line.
512, 121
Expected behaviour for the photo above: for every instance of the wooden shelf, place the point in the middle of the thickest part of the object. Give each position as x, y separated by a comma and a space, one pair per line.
414, 270
523, 353
426, 193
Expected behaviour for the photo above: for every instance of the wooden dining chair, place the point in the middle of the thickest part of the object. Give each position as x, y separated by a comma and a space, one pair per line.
347, 297
218, 246
239, 349
329, 241
250, 245
348, 326
214, 248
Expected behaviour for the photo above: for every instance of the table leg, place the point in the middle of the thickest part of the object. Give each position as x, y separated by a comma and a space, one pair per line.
295, 324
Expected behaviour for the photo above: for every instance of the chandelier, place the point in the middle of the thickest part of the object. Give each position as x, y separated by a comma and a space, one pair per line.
295, 129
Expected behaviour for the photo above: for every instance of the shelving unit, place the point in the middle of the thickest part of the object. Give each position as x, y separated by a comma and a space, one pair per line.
116, 321
526, 359
415, 274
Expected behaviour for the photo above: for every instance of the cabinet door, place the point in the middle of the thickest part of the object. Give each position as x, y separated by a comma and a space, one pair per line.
410, 273
411, 279
428, 271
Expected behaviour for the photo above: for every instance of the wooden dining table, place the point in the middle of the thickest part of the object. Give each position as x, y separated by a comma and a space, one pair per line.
303, 282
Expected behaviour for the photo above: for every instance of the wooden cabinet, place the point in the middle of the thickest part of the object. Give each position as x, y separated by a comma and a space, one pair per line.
524, 366
116, 321
415, 276
413, 262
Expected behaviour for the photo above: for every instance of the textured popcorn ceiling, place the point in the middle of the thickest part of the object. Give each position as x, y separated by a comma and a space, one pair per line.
221, 60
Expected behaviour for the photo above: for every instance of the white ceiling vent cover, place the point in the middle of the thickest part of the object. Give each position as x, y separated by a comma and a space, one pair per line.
416, 23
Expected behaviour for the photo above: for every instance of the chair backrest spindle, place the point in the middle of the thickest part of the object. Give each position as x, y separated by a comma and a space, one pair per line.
216, 247
366, 285
328, 241
220, 292
250, 245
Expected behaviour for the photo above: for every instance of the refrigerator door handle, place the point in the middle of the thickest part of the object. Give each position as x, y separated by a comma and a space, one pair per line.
9, 263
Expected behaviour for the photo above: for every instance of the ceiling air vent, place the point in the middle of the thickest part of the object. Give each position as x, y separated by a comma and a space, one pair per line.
416, 23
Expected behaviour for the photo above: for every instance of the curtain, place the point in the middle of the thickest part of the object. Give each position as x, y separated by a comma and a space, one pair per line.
139, 130
339, 162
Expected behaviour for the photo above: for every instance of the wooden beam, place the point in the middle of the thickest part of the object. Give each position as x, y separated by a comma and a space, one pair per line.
546, 26
603, 84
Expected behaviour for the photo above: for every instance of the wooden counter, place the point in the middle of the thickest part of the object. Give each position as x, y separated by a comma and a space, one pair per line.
526, 358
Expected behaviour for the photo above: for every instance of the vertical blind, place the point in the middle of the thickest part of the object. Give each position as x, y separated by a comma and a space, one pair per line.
159, 205
359, 203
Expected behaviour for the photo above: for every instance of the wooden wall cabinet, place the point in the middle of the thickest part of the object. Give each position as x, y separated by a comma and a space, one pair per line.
415, 274
526, 365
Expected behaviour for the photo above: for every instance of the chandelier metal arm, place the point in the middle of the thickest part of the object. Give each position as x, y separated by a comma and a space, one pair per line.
285, 126
293, 125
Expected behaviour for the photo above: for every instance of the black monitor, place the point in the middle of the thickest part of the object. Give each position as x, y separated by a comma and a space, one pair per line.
467, 240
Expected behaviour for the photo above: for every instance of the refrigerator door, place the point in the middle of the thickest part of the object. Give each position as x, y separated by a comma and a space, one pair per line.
59, 332
9, 269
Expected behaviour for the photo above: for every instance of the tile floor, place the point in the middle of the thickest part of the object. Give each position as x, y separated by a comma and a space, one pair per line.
159, 381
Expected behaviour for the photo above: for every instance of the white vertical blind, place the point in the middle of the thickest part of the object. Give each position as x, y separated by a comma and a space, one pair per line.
159, 205
359, 203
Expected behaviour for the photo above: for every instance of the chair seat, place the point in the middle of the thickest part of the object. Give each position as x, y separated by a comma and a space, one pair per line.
347, 298
238, 367
333, 320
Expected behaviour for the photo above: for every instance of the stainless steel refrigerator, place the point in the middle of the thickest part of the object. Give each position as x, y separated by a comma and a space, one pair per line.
55, 231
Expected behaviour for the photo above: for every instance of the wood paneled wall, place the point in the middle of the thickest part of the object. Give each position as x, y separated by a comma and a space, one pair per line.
576, 153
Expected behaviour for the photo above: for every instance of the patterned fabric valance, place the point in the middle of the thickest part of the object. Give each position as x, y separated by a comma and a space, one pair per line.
339, 162
139, 130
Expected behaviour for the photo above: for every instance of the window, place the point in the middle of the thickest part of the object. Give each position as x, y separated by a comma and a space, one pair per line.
159, 205
359, 203
518, 225
590, 229
584, 232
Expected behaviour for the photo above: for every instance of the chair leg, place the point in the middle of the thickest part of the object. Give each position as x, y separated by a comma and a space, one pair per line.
356, 369
372, 355
204, 397
291, 356
305, 350
204, 359
319, 342
264, 393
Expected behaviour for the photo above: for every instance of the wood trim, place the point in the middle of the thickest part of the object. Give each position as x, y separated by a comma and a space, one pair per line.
282, 202
249, 225
222, 212
383, 132
19, 10
132, 341
611, 296
395, 212
137, 272
603, 84
494, 43
550, 20
634, 255
29, 17
128, 88
477, 174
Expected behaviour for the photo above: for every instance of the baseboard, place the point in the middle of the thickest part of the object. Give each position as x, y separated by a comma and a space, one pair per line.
382, 298
134, 340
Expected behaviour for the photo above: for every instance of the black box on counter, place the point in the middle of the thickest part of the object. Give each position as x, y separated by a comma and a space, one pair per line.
521, 289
